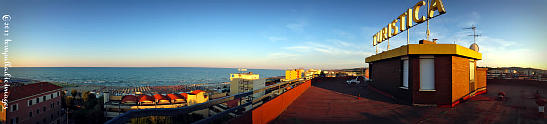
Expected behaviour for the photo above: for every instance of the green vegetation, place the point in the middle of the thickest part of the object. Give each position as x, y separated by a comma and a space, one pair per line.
87, 109
74, 93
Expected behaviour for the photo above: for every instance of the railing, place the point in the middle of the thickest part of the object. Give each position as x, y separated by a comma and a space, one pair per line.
125, 117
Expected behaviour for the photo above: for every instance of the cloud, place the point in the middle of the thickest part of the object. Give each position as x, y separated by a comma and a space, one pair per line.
344, 34
340, 43
297, 27
275, 39
342, 49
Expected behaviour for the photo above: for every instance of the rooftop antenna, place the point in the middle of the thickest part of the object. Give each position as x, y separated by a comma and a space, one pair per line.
475, 35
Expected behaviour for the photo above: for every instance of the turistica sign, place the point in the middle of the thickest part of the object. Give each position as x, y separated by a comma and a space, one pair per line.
406, 20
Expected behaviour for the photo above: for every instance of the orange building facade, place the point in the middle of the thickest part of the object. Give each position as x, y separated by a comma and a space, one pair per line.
428, 73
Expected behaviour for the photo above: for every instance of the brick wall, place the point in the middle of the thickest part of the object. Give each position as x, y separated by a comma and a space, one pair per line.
443, 76
460, 77
387, 76
481, 77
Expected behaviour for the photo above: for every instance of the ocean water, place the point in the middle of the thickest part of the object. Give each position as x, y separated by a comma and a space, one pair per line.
133, 76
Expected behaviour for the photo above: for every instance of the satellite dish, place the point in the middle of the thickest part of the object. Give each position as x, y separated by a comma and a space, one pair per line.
474, 46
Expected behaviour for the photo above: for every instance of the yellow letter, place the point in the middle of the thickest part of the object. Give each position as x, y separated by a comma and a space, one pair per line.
417, 11
436, 5
373, 40
409, 20
384, 33
389, 30
403, 21
395, 28
379, 37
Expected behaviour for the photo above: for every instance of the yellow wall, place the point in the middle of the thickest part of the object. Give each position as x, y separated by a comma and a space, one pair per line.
197, 98
428, 49
293, 74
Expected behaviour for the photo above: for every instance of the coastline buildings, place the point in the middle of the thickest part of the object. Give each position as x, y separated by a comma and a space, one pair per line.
37, 103
517, 73
428, 73
116, 105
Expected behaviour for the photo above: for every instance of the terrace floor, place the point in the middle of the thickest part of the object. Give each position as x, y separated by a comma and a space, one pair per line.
333, 101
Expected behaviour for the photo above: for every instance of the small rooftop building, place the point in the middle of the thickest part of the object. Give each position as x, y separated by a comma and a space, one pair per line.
161, 99
176, 98
146, 100
428, 73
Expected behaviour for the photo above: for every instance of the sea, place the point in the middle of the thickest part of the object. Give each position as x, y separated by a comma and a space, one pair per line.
133, 76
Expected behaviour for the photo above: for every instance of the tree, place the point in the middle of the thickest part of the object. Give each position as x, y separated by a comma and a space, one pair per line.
68, 101
74, 92
85, 96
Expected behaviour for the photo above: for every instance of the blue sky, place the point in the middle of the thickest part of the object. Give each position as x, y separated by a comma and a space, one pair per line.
257, 34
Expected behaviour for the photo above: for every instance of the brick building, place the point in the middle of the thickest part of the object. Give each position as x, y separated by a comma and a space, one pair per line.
37, 103
428, 73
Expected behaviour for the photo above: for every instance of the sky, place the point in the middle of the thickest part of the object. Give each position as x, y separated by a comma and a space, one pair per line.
281, 34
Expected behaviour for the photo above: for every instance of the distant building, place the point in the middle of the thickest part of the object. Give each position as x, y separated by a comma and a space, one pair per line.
311, 73
516, 73
248, 75
293, 74
428, 73
37, 103
246, 83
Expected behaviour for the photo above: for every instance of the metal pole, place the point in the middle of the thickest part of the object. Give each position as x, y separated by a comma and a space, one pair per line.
387, 44
474, 35
427, 12
407, 36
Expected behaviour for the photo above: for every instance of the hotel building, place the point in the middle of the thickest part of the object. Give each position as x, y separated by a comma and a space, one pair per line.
246, 82
37, 103
248, 75
293, 74
428, 73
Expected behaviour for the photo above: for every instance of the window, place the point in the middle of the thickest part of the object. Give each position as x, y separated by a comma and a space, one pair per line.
37, 111
427, 73
14, 107
51, 96
44, 108
405, 72
58, 94
471, 71
44, 98
38, 100
30, 114
29, 102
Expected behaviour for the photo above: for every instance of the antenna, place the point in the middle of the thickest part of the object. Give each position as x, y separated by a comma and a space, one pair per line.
473, 27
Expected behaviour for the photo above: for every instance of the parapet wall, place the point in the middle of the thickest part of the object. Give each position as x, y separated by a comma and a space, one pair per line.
273, 108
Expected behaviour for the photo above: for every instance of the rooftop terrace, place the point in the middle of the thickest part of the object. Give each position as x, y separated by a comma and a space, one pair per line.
334, 101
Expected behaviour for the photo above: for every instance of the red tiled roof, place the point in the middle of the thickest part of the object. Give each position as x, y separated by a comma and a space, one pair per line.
145, 98
175, 96
129, 98
197, 91
22, 91
185, 95
160, 97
